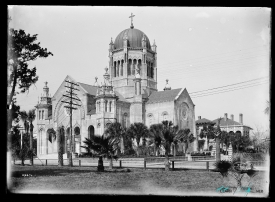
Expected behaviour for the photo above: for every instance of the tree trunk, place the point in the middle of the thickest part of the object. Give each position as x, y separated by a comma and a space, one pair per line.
137, 148
14, 82
31, 144
100, 166
59, 148
111, 163
166, 162
175, 150
185, 147
122, 145
218, 153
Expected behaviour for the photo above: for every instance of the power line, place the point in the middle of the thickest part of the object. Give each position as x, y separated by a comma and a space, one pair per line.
212, 55
230, 85
227, 91
205, 64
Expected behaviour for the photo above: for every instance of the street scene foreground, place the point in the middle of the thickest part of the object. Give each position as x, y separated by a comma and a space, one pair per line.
131, 181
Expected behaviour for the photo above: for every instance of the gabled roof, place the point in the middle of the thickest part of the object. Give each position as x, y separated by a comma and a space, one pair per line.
163, 96
88, 88
228, 122
203, 121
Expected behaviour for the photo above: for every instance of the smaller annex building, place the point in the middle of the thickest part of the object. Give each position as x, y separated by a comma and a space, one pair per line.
226, 124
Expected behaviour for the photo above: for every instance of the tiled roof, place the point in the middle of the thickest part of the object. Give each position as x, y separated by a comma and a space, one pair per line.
89, 88
163, 96
92, 91
120, 97
203, 120
228, 122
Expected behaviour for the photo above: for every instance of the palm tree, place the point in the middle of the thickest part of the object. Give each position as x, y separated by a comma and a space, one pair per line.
236, 169
60, 140
117, 131
31, 117
164, 134
155, 134
103, 146
138, 131
169, 133
186, 137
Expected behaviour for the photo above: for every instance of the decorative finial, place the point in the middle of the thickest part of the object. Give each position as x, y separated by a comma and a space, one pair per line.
167, 87
46, 83
131, 16
96, 79
106, 69
154, 42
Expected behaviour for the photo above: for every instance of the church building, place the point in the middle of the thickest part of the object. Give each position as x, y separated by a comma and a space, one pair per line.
129, 94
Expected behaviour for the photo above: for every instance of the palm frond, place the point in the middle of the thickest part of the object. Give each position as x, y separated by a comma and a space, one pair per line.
223, 167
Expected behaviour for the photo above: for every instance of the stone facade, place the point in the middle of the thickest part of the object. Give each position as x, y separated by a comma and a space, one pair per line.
129, 94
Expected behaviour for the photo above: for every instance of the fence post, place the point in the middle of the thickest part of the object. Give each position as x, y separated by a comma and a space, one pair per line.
46, 162
79, 163
144, 164
120, 164
207, 165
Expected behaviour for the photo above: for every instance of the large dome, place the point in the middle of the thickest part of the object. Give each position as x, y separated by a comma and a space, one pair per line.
134, 39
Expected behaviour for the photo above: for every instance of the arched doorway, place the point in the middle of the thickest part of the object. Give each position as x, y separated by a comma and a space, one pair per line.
77, 139
51, 141
91, 132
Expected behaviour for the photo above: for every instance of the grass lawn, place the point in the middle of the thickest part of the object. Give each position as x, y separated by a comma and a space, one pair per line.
83, 180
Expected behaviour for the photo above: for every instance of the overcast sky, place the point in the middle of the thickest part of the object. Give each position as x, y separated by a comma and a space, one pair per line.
197, 49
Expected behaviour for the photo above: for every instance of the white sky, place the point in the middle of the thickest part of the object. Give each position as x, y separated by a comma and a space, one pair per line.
198, 49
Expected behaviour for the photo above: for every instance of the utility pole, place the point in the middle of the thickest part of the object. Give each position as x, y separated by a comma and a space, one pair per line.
70, 85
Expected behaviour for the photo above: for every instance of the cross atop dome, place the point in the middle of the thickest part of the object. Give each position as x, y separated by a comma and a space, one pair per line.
131, 16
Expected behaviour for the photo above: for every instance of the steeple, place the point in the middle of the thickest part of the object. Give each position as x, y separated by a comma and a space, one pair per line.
46, 90
167, 86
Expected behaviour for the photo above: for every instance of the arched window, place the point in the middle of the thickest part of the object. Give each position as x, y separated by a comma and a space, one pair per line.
110, 106
129, 67
106, 105
91, 132
42, 114
150, 119
76, 131
99, 106
114, 69
164, 116
121, 68
39, 114
133, 66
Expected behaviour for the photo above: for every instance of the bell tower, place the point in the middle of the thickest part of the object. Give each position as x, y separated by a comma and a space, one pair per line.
131, 52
